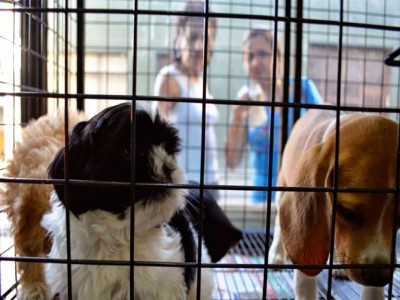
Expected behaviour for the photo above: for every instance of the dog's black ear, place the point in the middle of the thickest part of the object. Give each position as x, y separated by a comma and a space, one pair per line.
77, 156
98, 150
219, 234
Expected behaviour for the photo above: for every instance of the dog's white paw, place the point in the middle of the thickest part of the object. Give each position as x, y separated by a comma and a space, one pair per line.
277, 253
36, 291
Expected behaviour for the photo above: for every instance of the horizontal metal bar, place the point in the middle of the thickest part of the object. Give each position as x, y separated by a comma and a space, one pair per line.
209, 15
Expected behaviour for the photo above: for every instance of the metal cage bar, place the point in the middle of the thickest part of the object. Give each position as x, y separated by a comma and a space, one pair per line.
251, 255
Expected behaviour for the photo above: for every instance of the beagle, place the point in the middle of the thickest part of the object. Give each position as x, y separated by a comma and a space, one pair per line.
367, 158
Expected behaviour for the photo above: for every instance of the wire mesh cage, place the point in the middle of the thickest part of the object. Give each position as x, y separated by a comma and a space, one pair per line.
264, 62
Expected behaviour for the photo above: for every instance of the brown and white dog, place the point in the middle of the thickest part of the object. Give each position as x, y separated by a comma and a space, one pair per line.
26, 203
363, 222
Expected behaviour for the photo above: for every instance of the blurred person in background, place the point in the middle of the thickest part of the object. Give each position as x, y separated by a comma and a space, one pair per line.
250, 125
184, 79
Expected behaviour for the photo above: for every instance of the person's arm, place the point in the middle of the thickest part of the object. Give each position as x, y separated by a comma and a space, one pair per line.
237, 136
168, 87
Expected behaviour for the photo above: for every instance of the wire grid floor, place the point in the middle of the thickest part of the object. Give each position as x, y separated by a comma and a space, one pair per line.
241, 283
230, 283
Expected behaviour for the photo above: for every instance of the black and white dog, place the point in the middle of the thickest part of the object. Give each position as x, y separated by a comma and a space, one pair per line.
100, 218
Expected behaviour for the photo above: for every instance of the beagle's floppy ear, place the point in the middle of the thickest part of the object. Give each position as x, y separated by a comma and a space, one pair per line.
305, 216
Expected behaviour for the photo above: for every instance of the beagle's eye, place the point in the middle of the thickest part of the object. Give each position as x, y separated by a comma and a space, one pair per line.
348, 214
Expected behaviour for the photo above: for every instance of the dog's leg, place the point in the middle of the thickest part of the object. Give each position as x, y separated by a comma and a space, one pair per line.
277, 253
33, 283
305, 288
372, 293
30, 241
32, 278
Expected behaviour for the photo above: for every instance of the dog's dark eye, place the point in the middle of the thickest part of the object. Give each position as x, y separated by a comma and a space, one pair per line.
348, 214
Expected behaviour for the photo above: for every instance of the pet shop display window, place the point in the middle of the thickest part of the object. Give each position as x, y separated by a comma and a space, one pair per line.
92, 55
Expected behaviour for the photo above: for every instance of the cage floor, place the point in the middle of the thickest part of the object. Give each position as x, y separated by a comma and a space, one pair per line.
231, 283
241, 283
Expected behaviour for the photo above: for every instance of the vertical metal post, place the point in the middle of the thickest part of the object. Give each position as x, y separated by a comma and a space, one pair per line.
34, 64
80, 69
286, 74
299, 54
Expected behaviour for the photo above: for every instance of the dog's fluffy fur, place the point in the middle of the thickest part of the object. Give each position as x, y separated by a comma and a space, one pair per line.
100, 219
100, 150
26, 203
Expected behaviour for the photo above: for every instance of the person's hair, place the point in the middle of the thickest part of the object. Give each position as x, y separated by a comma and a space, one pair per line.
181, 23
268, 35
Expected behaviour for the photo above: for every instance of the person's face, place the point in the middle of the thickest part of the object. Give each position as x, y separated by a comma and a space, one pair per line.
192, 43
258, 59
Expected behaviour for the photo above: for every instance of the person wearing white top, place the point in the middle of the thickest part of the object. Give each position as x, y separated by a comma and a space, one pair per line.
184, 79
